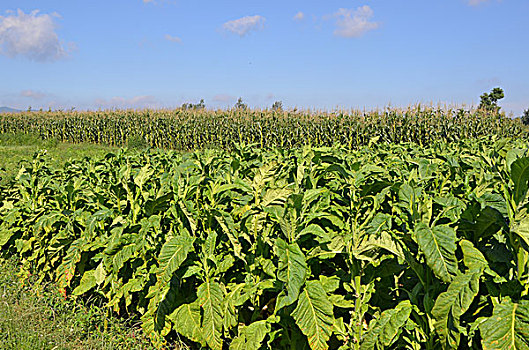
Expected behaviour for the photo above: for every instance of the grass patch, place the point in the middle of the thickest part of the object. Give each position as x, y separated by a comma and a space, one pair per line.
15, 148
36, 316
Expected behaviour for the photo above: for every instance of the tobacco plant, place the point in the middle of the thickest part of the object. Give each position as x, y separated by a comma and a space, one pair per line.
387, 246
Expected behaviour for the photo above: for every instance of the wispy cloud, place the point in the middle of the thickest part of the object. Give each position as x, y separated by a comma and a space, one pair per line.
147, 1
299, 16
173, 39
476, 2
244, 25
30, 35
224, 98
143, 101
32, 94
353, 23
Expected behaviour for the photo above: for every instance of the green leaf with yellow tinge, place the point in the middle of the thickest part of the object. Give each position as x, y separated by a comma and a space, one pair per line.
251, 336
520, 178
439, 246
383, 331
507, 328
210, 298
186, 320
88, 281
314, 315
292, 271
452, 304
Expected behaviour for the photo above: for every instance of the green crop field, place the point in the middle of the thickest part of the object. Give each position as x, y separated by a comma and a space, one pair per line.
396, 229
197, 129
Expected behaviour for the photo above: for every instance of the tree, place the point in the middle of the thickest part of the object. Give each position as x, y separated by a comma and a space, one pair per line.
277, 106
200, 105
240, 104
525, 117
489, 101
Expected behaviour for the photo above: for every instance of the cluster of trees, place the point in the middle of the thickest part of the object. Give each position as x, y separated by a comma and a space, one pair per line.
276, 106
200, 105
489, 102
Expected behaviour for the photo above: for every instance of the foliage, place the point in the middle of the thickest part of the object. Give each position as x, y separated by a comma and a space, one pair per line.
15, 148
241, 105
489, 101
197, 129
277, 106
525, 117
387, 246
137, 142
200, 105
35, 316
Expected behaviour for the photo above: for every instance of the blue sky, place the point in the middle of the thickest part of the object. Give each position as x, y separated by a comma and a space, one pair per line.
308, 54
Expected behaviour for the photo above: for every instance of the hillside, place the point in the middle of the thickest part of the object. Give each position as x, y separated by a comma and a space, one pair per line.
8, 110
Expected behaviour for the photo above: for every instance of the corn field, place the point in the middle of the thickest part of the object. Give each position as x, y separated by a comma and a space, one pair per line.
197, 129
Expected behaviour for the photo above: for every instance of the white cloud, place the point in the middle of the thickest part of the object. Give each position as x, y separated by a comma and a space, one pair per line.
147, 1
244, 25
173, 39
351, 23
299, 16
32, 94
143, 101
31, 35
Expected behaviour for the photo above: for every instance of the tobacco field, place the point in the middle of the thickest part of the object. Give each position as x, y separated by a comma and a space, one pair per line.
385, 246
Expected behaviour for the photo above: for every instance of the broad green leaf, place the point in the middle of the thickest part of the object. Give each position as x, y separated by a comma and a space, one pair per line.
521, 227
520, 177
508, 327
209, 245
410, 196
370, 248
210, 297
186, 319
251, 337
314, 315
439, 246
292, 271
88, 281
142, 176
313, 229
275, 196
381, 222
66, 271
122, 256
234, 298
330, 284
488, 222
383, 331
173, 253
472, 257
100, 273
453, 303
228, 226
5, 234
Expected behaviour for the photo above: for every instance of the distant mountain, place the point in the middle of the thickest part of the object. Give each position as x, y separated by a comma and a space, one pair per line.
9, 110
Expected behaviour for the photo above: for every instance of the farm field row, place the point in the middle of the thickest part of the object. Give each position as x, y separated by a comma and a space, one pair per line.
385, 246
198, 129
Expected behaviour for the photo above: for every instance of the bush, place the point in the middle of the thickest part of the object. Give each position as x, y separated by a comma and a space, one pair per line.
27, 139
525, 117
137, 142
489, 101
277, 106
